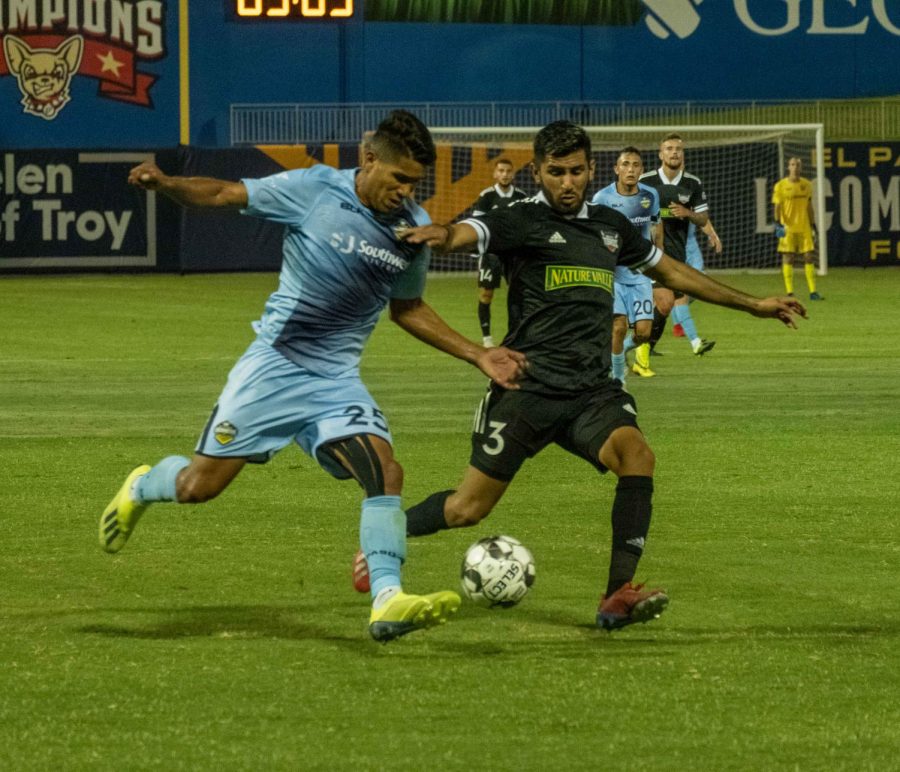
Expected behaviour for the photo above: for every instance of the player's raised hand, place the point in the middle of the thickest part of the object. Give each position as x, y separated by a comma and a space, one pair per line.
148, 175
503, 366
785, 309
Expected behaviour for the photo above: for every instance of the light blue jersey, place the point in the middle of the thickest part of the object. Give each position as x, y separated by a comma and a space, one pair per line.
642, 209
342, 264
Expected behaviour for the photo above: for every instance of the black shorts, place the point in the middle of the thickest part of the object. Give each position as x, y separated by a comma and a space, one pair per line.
511, 426
490, 271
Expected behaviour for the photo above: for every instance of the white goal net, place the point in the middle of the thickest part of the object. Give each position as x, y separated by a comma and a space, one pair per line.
738, 166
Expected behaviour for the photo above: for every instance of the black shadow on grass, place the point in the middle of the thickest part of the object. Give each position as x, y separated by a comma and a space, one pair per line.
227, 622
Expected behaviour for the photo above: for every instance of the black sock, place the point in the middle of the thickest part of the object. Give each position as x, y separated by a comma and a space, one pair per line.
484, 318
427, 516
630, 524
659, 327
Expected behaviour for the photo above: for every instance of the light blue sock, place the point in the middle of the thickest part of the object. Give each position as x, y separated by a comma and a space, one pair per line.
628, 344
682, 316
618, 367
382, 536
159, 483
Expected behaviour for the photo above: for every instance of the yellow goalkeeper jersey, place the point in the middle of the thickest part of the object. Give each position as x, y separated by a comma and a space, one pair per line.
794, 198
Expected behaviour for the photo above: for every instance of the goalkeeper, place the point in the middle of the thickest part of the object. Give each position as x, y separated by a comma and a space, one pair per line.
794, 221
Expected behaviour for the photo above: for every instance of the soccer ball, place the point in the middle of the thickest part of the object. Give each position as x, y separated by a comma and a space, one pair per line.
497, 571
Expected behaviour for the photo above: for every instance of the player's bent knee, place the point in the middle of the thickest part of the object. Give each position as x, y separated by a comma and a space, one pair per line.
374, 468
393, 477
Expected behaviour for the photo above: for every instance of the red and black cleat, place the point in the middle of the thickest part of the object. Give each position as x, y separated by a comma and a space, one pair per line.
630, 604
360, 572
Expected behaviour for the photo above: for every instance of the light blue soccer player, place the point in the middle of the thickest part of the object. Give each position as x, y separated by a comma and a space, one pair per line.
633, 306
299, 379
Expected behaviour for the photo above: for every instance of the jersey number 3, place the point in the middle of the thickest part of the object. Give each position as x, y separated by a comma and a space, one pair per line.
495, 443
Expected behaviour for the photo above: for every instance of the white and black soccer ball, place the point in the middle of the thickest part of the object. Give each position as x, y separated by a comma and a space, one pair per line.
497, 571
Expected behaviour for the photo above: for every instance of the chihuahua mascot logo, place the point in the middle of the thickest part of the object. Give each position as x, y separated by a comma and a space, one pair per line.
47, 42
44, 74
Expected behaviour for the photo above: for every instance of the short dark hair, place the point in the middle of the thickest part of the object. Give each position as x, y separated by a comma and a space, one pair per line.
630, 150
561, 138
401, 133
502, 160
672, 135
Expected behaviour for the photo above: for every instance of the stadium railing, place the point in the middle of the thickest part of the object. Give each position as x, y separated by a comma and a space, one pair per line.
288, 124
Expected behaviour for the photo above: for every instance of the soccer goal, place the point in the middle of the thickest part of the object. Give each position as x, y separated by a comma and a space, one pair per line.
738, 165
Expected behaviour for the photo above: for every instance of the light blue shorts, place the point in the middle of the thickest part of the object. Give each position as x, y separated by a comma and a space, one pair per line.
634, 301
269, 402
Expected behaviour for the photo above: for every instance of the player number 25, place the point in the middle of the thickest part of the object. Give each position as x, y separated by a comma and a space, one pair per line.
358, 417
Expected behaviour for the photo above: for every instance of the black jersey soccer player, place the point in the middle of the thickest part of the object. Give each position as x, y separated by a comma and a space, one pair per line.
559, 253
501, 193
682, 202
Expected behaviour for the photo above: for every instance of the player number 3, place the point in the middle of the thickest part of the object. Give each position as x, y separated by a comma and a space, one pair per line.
494, 445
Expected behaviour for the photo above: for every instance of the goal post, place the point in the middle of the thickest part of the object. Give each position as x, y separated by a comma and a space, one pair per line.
738, 165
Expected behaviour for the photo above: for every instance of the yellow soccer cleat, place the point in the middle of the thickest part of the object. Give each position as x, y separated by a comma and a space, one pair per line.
443, 606
122, 514
644, 372
404, 614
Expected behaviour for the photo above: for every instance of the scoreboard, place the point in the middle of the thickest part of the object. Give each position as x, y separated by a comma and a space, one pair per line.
289, 10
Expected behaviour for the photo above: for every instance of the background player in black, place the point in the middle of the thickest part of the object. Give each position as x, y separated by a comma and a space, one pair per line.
681, 201
501, 193
559, 254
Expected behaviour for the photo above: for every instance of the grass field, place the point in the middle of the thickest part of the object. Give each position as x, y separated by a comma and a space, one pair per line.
227, 636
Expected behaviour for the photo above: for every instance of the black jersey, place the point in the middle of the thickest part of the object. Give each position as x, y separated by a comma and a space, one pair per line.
560, 275
685, 189
491, 198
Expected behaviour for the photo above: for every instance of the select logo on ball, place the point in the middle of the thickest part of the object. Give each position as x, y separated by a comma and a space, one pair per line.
668, 17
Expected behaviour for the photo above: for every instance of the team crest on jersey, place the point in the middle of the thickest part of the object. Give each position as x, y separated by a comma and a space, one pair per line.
225, 432
49, 49
645, 203
611, 240
400, 227
684, 198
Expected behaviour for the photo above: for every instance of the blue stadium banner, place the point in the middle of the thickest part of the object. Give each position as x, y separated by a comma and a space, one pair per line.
69, 209
82, 73
862, 195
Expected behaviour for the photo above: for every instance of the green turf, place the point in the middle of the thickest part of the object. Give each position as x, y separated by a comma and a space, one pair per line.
227, 636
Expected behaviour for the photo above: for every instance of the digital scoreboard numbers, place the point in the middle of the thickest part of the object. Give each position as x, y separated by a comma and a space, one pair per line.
290, 10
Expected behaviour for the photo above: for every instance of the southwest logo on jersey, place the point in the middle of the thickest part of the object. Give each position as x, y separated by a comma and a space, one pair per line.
225, 432
611, 240
562, 276
50, 49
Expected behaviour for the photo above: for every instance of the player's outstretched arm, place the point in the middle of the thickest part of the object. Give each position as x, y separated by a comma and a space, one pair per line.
190, 191
502, 365
454, 237
677, 276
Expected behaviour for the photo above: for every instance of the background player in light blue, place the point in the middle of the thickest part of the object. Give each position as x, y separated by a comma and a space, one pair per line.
633, 304
299, 380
